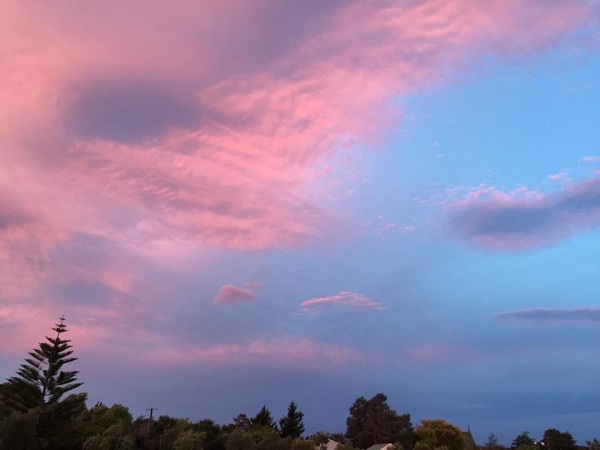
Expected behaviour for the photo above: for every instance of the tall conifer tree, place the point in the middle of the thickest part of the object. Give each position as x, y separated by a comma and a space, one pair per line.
292, 425
41, 381
264, 418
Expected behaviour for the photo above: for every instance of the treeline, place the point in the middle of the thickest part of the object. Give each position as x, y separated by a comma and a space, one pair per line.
552, 439
38, 411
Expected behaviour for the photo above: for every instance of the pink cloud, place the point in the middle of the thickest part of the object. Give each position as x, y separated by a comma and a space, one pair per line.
133, 348
564, 175
228, 162
21, 324
285, 351
525, 220
232, 294
345, 299
179, 130
89, 327
590, 159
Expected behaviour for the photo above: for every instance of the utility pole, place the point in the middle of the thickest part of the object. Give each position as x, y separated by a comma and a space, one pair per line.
151, 409
151, 412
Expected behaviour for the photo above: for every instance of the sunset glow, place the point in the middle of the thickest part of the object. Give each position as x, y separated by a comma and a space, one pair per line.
310, 201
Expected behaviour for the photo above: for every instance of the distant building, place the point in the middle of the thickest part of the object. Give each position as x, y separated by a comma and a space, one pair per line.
331, 445
469, 439
381, 447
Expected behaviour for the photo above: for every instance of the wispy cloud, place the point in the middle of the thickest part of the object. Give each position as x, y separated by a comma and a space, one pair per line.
344, 300
286, 351
590, 159
552, 315
215, 144
565, 175
526, 220
218, 154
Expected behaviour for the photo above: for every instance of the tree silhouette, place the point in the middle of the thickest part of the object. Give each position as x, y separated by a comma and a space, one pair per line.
522, 440
556, 440
41, 382
492, 442
291, 425
373, 421
264, 419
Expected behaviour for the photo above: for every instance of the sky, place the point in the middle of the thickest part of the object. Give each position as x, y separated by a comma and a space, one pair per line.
248, 203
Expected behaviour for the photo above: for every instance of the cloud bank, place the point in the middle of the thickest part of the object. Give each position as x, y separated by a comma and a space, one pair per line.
526, 220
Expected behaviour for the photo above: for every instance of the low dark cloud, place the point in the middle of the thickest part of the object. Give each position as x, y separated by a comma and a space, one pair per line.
552, 314
11, 214
9, 218
127, 111
87, 293
506, 222
513, 220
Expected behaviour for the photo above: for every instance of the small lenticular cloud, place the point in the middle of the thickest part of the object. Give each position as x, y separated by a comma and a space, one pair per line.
229, 294
344, 299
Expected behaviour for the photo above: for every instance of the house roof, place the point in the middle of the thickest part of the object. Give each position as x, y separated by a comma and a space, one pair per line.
331, 444
379, 446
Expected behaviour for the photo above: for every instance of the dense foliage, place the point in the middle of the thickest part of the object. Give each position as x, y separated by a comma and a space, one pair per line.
373, 421
522, 441
436, 434
556, 440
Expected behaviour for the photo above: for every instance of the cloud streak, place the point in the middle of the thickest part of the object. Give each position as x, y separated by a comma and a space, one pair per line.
343, 300
551, 315
286, 351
